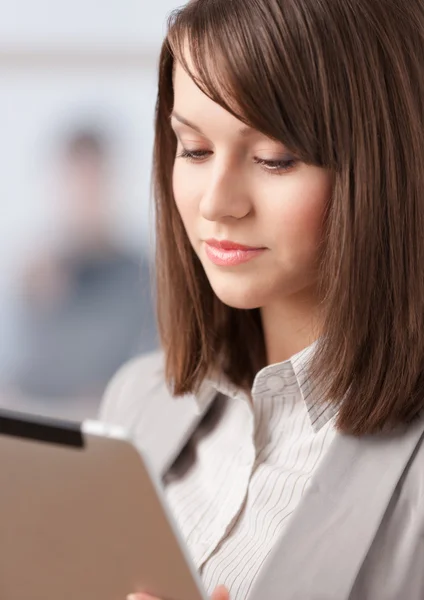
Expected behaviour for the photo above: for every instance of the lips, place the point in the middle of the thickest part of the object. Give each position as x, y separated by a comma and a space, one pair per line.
227, 245
225, 253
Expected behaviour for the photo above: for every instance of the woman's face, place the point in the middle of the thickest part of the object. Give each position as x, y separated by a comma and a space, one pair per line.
234, 187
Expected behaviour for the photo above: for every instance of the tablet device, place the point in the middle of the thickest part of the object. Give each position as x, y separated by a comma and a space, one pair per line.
82, 516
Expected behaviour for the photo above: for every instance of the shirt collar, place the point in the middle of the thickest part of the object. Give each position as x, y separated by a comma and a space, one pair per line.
320, 411
272, 379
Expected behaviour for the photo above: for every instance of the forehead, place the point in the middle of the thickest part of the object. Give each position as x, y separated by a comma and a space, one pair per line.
197, 107
184, 84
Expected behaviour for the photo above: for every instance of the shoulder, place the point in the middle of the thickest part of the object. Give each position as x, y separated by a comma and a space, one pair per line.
137, 385
409, 492
137, 398
413, 481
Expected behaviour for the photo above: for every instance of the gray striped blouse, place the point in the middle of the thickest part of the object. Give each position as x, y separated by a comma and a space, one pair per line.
245, 470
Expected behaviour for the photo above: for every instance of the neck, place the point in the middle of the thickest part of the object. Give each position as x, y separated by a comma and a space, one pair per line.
289, 326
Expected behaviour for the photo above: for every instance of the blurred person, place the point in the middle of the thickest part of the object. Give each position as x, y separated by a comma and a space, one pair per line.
85, 302
284, 412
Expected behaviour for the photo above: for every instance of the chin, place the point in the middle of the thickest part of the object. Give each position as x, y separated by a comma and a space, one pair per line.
239, 296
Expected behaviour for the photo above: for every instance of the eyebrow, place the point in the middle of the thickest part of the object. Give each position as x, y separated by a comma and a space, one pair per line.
243, 131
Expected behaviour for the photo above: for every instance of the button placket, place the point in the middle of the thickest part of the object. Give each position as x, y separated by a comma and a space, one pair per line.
206, 544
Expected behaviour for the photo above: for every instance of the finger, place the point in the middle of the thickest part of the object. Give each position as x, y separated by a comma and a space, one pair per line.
141, 597
220, 593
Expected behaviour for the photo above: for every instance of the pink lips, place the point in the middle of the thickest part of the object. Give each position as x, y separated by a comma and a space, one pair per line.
226, 253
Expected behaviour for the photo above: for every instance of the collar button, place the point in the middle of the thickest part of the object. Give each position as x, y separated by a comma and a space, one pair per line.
275, 383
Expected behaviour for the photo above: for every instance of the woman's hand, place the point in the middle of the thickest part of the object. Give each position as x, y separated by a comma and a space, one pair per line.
220, 593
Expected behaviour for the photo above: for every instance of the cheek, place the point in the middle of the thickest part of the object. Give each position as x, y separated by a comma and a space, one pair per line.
304, 221
184, 195
299, 222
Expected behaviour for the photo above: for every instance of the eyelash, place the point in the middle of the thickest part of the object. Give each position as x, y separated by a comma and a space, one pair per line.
274, 167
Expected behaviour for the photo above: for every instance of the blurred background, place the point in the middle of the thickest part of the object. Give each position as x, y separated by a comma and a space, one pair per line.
77, 95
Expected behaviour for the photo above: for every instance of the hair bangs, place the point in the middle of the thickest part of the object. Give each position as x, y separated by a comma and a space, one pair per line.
240, 68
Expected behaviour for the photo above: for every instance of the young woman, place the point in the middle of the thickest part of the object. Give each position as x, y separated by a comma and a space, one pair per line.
284, 413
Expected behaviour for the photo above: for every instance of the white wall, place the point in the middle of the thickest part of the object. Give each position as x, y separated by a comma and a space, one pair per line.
63, 62
88, 22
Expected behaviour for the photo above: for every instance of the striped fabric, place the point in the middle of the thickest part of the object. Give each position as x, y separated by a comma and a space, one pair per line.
233, 489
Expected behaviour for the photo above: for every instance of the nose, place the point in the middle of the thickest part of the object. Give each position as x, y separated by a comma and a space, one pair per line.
225, 196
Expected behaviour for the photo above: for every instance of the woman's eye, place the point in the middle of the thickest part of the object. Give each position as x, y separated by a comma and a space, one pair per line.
194, 155
276, 167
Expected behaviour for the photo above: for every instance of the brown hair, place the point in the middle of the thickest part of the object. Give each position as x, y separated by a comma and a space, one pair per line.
342, 85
